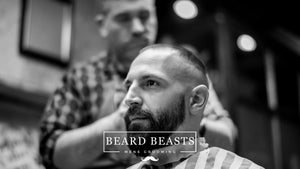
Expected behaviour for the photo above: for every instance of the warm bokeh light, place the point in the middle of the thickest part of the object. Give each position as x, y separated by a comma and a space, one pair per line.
246, 43
185, 9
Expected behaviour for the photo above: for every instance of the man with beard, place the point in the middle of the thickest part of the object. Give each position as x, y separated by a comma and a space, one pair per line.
167, 120
167, 90
81, 108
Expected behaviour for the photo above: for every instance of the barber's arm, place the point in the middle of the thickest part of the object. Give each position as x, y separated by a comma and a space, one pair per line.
80, 147
217, 126
69, 137
220, 132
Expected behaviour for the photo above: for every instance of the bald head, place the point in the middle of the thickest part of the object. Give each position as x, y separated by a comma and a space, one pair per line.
103, 6
179, 62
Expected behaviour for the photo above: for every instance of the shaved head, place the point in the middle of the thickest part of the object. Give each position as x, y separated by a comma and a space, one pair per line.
180, 63
102, 6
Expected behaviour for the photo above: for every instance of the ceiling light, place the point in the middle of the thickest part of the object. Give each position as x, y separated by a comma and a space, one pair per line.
246, 43
185, 9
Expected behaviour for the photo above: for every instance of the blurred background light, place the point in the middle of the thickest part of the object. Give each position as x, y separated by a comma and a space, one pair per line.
185, 9
246, 43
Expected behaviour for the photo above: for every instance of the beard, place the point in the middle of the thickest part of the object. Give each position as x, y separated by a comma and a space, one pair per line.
166, 120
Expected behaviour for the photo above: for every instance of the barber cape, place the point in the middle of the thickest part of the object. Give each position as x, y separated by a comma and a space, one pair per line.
211, 158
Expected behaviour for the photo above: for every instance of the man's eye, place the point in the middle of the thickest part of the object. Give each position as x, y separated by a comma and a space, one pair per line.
152, 83
144, 15
124, 18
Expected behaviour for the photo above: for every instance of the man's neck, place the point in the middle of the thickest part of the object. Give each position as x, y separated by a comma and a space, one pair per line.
120, 68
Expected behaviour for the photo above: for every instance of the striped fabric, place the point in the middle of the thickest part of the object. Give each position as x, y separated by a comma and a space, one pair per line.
212, 158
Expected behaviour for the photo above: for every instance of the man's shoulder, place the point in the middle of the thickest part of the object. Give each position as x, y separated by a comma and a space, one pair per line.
87, 75
96, 65
216, 157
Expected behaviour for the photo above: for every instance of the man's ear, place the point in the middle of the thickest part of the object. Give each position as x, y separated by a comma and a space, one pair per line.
99, 19
198, 99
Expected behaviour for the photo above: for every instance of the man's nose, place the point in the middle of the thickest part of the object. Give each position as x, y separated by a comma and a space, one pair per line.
137, 26
132, 98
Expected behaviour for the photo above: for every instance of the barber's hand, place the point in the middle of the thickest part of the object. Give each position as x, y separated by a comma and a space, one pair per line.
119, 95
120, 108
118, 118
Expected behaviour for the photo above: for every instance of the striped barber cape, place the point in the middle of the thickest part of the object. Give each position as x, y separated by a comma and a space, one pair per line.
211, 158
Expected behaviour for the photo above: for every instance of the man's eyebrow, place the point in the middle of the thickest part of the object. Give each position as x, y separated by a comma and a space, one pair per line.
129, 12
123, 13
145, 77
152, 76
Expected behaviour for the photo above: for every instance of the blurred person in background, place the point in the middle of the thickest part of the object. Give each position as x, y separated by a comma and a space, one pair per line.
82, 107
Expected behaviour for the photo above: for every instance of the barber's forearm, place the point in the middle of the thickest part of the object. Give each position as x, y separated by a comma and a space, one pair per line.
221, 133
80, 147
224, 125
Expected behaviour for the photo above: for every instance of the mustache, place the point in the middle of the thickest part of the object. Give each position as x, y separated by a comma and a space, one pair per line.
139, 41
136, 110
150, 158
